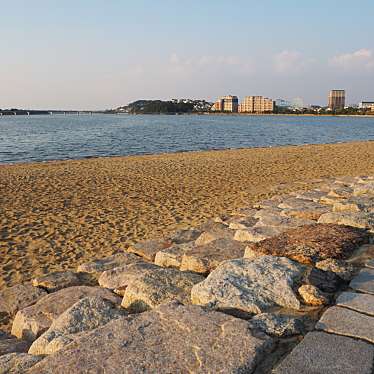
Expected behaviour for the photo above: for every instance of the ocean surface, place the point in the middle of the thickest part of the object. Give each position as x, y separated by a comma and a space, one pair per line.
61, 137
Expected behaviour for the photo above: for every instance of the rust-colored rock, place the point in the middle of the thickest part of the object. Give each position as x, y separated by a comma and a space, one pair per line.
312, 243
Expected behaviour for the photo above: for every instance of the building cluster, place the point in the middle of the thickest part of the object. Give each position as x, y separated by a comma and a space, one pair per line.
250, 104
261, 104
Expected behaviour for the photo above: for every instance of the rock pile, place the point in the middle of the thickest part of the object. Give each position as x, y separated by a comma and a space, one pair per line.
234, 295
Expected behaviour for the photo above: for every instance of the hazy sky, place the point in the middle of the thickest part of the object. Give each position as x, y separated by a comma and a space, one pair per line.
91, 54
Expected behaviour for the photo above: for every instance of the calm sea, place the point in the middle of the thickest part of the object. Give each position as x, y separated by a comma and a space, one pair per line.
61, 137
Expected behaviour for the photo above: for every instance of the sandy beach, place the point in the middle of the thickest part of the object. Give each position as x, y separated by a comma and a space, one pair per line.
57, 214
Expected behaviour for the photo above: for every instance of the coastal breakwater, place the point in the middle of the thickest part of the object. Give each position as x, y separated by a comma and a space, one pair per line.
285, 285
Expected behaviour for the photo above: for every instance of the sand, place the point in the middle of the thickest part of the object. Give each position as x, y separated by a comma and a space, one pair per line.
56, 215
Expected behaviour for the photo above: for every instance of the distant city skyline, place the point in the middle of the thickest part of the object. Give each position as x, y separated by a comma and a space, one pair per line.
96, 55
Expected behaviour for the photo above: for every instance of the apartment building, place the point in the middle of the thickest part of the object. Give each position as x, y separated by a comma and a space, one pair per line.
227, 103
336, 99
256, 104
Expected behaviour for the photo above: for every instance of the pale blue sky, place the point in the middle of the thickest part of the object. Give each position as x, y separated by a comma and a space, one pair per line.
99, 54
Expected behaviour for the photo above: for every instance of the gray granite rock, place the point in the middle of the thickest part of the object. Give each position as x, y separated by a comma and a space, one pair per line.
10, 344
148, 248
364, 281
17, 363
326, 281
158, 287
20, 296
172, 256
123, 275
277, 324
205, 258
256, 234
107, 263
341, 268
85, 315
361, 220
32, 321
250, 286
170, 339
184, 236
321, 353
58, 280
343, 321
357, 301
212, 231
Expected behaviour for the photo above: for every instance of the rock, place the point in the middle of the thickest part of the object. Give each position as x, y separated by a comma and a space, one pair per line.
312, 195
330, 200
124, 275
342, 192
213, 231
179, 339
321, 353
251, 254
185, 236
172, 257
85, 315
14, 298
10, 344
277, 325
203, 259
357, 301
295, 203
342, 321
256, 234
361, 220
17, 363
158, 287
306, 213
32, 321
107, 263
59, 280
250, 286
326, 281
311, 295
364, 281
148, 248
364, 189
346, 207
309, 244
341, 268
241, 223
283, 222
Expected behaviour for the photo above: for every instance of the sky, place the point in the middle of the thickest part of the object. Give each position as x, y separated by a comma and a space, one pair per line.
92, 54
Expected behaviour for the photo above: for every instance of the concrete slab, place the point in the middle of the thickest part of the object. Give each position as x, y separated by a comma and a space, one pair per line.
364, 281
360, 302
342, 321
322, 353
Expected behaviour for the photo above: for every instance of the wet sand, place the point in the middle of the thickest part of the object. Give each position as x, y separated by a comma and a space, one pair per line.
56, 215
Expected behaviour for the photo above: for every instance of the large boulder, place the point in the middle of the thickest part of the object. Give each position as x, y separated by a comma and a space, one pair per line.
148, 248
17, 297
250, 286
10, 344
212, 231
157, 287
107, 263
124, 275
32, 321
85, 315
172, 257
361, 220
17, 363
257, 234
309, 244
61, 279
184, 236
278, 325
170, 339
205, 258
